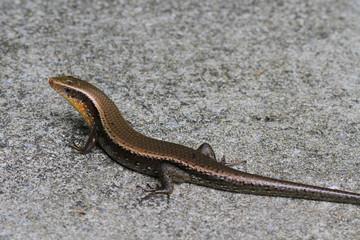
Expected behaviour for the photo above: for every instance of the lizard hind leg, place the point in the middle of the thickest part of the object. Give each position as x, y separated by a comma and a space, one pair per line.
207, 150
168, 174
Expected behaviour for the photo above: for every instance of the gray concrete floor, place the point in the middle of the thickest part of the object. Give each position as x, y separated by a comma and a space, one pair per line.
273, 86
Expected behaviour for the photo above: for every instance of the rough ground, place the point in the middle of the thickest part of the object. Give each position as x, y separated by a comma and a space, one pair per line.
273, 86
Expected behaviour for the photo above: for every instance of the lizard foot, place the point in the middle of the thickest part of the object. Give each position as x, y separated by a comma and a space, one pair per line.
154, 190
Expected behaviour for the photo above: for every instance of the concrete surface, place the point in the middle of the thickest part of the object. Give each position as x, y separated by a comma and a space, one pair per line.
273, 86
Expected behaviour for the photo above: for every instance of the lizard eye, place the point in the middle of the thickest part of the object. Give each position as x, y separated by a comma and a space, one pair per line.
67, 90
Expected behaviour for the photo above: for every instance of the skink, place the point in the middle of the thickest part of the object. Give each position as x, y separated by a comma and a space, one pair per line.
168, 161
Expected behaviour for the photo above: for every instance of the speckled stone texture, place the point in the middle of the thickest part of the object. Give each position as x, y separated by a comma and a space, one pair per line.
273, 85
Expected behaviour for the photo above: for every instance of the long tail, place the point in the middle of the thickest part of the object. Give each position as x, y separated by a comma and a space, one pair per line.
242, 182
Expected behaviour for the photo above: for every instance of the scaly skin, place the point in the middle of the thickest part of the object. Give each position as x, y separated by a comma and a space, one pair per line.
172, 162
